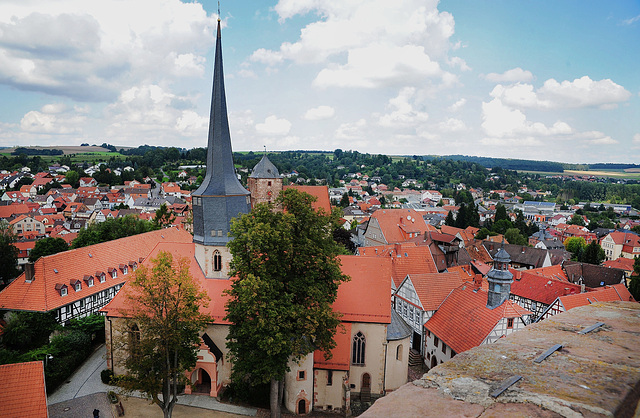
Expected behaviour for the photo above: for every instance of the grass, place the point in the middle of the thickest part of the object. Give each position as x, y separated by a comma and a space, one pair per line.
616, 173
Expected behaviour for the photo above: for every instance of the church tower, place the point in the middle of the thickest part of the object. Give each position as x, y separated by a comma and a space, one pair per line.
265, 182
500, 279
220, 197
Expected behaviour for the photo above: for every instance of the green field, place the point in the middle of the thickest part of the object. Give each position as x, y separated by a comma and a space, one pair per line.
616, 174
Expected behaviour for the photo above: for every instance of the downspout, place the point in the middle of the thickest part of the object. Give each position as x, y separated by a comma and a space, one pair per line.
111, 342
384, 372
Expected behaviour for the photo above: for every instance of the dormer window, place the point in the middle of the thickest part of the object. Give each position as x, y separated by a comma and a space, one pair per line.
77, 285
133, 265
101, 276
89, 280
113, 272
62, 289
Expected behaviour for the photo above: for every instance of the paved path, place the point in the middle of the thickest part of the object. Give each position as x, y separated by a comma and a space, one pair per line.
84, 391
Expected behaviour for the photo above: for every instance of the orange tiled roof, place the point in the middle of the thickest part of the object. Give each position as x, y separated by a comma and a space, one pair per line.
214, 287
14, 209
407, 258
604, 294
539, 288
463, 321
433, 288
341, 354
41, 295
321, 192
396, 224
23, 391
620, 263
367, 296
552, 272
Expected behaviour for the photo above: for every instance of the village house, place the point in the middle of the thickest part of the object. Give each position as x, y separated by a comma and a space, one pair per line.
388, 226
621, 244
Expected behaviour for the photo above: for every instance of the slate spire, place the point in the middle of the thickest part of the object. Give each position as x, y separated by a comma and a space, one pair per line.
221, 196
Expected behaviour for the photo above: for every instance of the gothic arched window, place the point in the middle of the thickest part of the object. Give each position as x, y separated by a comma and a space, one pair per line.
217, 261
359, 342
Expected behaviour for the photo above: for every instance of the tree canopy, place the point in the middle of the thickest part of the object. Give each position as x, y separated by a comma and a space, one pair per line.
112, 229
288, 275
8, 256
47, 246
163, 335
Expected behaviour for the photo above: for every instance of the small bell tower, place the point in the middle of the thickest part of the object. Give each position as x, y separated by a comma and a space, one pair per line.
265, 182
500, 279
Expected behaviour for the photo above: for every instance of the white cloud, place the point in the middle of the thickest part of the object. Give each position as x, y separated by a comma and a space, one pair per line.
351, 131
403, 114
501, 121
452, 125
51, 121
273, 126
579, 93
320, 113
53, 108
510, 76
384, 42
636, 138
91, 50
457, 105
247, 73
631, 21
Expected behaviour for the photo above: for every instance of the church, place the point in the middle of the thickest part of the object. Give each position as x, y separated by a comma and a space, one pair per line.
372, 350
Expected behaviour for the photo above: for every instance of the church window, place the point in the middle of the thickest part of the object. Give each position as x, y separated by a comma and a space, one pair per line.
217, 261
444, 348
359, 343
329, 377
399, 352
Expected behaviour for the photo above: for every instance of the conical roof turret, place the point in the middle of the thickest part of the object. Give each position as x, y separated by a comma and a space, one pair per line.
265, 169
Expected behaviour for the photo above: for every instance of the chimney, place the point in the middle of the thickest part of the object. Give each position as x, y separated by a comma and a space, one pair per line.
29, 272
477, 282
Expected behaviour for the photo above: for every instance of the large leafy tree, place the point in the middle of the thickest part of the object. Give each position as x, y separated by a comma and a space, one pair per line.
634, 283
593, 253
163, 217
163, 334
576, 246
47, 246
287, 277
112, 229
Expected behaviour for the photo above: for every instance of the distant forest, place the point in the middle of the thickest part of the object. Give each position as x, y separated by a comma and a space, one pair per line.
507, 164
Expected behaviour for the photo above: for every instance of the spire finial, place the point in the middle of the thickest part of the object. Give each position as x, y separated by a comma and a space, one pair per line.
218, 10
265, 149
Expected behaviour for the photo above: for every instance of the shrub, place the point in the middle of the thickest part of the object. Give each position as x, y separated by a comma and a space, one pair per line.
106, 375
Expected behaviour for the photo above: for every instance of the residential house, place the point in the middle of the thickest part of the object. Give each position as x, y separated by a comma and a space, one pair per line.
24, 224
621, 244
387, 226
88, 181
616, 292
79, 282
591, 275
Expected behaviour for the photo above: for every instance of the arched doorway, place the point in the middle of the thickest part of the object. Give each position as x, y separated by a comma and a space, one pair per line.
366, 381
203, 382
302, 407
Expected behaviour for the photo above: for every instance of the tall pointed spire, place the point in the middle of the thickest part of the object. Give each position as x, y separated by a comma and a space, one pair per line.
221, 196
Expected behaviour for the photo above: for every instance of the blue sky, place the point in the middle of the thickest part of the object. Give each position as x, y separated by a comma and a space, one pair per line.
517, 79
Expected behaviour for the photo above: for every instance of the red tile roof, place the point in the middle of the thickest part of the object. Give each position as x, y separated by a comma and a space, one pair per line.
214, 287
367, 296
433, 288
603, 294
407, 258
321, 192
396, 224
553, 272
539, 288
23, 391
463, 321
341, 354
41, 295
14, 209
620, 263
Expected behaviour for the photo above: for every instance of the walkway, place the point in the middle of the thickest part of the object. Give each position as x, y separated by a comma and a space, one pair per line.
84, 391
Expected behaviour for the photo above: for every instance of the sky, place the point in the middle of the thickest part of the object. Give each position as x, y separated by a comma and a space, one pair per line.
546, 80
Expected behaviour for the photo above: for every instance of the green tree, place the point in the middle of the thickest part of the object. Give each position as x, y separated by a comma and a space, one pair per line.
450, 220
575, 245
634, 283
164, 333
513, 236
163, 217
593, 253
112, 229
8, 255
47, 246
344, 201
28, 330
576, 220
72, 177
501, 213
280, 305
